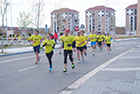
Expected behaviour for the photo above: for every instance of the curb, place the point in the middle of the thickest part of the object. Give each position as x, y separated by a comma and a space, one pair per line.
1, 55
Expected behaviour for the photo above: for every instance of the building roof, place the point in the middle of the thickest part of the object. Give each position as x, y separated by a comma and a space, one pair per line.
132, 6
96, 8
65, 10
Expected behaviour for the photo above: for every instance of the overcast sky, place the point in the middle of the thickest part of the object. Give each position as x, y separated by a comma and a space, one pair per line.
79, 5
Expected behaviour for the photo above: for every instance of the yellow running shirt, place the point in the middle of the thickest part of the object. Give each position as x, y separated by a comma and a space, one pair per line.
36, 39
100, 38
19, 37
48, 47
86, 38
108, 39
79, 39
93, 37
67, 40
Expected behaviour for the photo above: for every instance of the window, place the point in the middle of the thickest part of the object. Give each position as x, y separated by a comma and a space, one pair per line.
99, 29
99, 25
135, 11
93, 14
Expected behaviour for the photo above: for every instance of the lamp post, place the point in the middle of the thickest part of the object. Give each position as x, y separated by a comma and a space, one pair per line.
105, 14
6, 24
11, 19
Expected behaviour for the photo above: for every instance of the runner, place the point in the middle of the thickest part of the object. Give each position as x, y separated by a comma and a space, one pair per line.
61, 43
49, 46
85, 44
80, 40
28, 39
67, 39
108, 42
100, 39
93, 40
15, 38
103, 37
74, 43
36, 39
19, 39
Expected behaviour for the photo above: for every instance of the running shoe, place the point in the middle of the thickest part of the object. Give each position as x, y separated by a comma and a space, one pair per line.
65, 70
93, 53
101, 49
110, 49
36, 61
78, 61
59, 52
108, 52
83, 59
73, 66
39, 58
85, 54
50, 69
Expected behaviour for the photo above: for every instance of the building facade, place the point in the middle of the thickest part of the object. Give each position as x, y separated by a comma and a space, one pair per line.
131, 19
64, 18
95, 19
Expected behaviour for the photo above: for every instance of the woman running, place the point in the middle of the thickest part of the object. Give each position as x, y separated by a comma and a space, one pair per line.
49, 46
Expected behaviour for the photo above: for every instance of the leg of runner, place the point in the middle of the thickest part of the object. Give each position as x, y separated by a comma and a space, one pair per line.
49, 56
78, 56
71, 59
82, 55
65, 61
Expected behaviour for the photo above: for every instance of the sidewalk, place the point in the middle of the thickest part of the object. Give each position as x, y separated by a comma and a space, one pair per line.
120, 75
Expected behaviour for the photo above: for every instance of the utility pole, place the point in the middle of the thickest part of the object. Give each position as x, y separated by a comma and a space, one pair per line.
11, 20
6, 25
105, 14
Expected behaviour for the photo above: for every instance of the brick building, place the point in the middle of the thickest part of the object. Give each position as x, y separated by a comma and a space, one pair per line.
95, 19
131, 19
64, 18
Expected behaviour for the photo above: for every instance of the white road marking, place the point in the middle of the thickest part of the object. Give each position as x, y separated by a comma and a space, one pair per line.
128, 57
121, 69
4, 61
80, 81
28, 68
18, 59
118, 48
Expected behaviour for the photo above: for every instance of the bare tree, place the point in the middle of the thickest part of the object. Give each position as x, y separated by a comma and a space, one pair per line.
24, 19
37, 7
3, 10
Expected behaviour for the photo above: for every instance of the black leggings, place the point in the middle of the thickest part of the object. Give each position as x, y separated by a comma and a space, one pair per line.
49, 56
66, 52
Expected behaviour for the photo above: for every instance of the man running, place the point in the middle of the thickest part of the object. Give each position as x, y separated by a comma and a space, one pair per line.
85, 44
36, 39
49, 46
80, 40
93, 39
108, 42
68, 40
100, 39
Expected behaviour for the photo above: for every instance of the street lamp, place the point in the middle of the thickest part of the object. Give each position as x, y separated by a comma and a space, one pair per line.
6, 23
105, 14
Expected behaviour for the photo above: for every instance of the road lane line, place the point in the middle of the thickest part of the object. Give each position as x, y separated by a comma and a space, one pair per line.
129, 57
18, 59
83, 79
119, 48
32, 67
121, 69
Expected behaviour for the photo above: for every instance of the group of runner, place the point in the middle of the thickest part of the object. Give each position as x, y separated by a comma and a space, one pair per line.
70, 44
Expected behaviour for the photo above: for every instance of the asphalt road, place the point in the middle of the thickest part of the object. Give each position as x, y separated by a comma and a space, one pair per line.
20, 75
